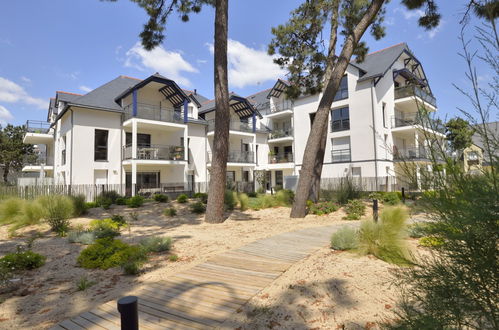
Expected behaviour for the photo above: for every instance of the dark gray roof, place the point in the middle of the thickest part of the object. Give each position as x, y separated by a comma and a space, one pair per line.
260, 100
65, 96
492, 130
378, 63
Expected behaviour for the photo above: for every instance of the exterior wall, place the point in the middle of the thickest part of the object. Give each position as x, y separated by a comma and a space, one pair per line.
198, 146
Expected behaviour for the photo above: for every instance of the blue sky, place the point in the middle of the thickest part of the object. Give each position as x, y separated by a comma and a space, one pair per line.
77, 45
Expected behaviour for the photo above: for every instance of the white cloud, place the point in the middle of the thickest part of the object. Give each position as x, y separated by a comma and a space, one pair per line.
5, 115
26, 79
249, 66
85, 89
408, 14
201, 61
168, 63
433, 32
13, 93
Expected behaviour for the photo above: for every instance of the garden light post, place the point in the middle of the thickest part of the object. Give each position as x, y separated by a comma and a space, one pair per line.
375, 210
403, 195
128, 308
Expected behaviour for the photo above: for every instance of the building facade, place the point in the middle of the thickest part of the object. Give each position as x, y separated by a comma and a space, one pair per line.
152, 134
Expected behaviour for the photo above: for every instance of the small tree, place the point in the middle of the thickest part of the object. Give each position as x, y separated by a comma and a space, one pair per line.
459, 133
13, 150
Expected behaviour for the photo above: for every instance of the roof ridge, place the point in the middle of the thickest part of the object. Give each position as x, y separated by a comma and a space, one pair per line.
264, 90
69, 93
400, 43
128, 77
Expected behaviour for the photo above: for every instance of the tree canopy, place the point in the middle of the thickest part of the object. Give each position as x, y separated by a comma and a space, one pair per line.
459, 133
13, 149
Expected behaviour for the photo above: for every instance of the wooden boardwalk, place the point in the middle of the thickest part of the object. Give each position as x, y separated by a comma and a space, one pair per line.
206, 295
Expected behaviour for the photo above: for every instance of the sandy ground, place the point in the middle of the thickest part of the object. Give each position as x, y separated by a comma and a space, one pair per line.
350, 289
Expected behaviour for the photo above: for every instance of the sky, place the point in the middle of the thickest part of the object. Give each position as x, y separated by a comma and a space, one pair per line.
78, 45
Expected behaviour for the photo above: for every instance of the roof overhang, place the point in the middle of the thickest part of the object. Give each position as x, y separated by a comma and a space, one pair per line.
279, 87
241, 106
409, 75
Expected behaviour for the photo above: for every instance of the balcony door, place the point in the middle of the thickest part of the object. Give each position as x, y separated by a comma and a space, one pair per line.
143, 140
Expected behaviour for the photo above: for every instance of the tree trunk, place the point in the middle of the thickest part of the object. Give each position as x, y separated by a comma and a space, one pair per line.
320, 124
6, 170
218, 176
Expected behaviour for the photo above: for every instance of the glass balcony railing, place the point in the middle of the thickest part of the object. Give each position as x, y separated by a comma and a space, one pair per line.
280, 133
37, 126
237, 157
281, 158
38, 159
155, 152
153, 112
341, 155
411, 119
236, 126
407, 91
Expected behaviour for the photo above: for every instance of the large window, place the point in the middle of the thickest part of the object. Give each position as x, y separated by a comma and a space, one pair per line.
340, 119
342, 92
143, 140
63, 152
341, 150
100, 145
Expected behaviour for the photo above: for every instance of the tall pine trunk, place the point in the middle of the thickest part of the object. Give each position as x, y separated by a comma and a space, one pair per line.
215, 208
320, 124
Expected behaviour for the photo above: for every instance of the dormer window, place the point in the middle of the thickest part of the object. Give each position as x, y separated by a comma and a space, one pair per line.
190, 111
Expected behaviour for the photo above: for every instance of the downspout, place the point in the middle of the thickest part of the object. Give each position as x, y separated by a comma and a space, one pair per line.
121, 155
374, 137
71, 160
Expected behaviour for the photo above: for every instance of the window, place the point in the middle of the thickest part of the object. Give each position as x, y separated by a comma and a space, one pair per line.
341, 150
143, 140
340, 119
278, 178
342, 92
100, 145
63, 152
384, 114
190, 111
231, 176
245, 176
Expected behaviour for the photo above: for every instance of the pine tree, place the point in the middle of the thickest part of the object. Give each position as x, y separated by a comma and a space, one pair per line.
13, 150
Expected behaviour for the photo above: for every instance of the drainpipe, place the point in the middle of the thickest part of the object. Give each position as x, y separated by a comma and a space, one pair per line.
374, 136
121, 154
71, 158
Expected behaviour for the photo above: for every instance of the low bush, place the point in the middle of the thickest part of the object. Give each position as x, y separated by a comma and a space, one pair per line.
135, 201
203, 197
376, 195
355, 209
121, 201
277, 188
173, 258
9, 209
132, 267
198, 207
322, 208
243, 201
58, 210
182, 198
85, 237
285, 197
91, 205
105, 203
84, 283
119, 219
156, 244
252, 194
385, 239
345, 238
418, 229
105, 228
110, 195
230, 200
347, 190
79, 205
31, 213
106, 253
170, 212
161, 198
22, 260
391, 198
431, 241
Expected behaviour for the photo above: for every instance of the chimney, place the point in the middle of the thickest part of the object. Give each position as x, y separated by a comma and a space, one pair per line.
195, 92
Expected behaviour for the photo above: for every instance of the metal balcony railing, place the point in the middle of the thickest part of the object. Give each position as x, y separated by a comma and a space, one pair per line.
411, 153
38, 159
155, 152
280, 133
407, 91
37, 126
274, 108
340, 125
281, 158
154, 112
341, 155
413, 118
233, 126
237, 157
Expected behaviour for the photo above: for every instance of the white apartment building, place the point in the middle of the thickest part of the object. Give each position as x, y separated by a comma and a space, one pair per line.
151, 133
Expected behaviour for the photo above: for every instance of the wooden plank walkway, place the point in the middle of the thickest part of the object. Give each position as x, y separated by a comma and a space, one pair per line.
207, 294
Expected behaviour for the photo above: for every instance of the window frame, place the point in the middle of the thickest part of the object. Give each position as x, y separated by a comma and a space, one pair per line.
342, 88
101, 147
344, 121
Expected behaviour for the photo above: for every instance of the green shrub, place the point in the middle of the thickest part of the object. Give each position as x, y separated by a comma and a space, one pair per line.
182, 198
277, 188
354, 209
85, 237
347, 190
385, 239
134, 216
230, 200
345, 238
161, 198
9, 209
132, 267
198, 208
119, 219
84, 283
243, 201
285, 197
22, 260
203, 197
135, 201
252, 194
91, 205
121, 201
156, 244
173, 258
391, 198
431, 241
170, 212
31, 213
110, 194
58, 210
322, 208
105, 203
105, 228
418, 229
106, 253
376, 195
79, 205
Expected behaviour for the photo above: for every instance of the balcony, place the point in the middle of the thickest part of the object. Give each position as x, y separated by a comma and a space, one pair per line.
281, 158
279, 135
236, 126
340, 125
411, 119
410, 91
37, 160
154, 112
38, 132
341, 156
155, 152
246, 157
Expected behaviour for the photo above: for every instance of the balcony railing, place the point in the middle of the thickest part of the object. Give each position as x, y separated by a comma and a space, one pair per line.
154, 112
274, 108
342, 155
37, 160
340, 125
281, 158
280, 133
37, 126
234, 126
407, 91
237, 157
155, 152
411, 153
411, 119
